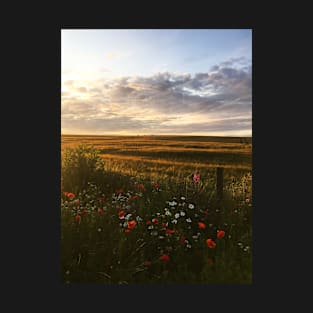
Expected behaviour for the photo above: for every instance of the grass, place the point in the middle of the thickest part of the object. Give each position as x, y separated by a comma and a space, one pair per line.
142, 178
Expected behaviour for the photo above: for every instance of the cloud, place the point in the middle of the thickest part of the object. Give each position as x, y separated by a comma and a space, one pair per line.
164, 102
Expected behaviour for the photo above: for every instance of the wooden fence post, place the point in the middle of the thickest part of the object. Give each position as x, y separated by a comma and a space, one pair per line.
219, 182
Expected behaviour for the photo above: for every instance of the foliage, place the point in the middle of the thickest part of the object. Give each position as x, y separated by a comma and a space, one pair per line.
80, 166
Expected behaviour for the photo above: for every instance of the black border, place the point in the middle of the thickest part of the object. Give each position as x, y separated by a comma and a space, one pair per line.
37, 250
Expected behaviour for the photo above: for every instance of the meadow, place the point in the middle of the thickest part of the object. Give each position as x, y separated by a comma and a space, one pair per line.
144, 209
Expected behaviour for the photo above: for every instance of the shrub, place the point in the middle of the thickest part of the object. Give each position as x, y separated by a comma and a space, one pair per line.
80, 166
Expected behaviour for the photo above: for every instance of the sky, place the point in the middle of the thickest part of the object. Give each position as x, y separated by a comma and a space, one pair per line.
156, 82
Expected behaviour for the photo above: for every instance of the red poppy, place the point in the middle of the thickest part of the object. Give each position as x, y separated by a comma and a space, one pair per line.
148, 222
164, 225
100, 211
78, 218
211, 244
70, 195
201, 225
156, 185
121, 214
155, 220
164, 257
133, 197
147, 263
220, 233
206, 213
101, 200
170, 231
119, 191
83, 211
65, 193
131, 224
127, 231
210, 261
182, 240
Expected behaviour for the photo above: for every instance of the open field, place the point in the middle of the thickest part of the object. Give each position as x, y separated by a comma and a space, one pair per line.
168, 156
133, 210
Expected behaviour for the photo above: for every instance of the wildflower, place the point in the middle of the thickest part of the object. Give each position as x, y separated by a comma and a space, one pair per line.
206, 213
210, 261
99, 229
173, 203
182, 213
127, 217
182, 240
148, 222
169, 231
131, 224
70, 195
168, 213
183, 198
119, 191
210, 243
196, 177
127, 231
150, 227
177, 215
83, 211
78, 218
174, 221
133, 197
101, 200
164, 225
121, 214
155, 220
147, 263
191, 206
156, 185
154, 233
188, 220
164, 257
220, 233
201, 225
100, 211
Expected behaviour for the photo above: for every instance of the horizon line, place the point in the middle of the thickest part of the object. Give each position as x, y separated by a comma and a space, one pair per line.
140, 135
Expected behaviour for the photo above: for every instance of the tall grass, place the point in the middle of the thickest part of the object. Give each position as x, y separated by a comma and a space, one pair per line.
100, 197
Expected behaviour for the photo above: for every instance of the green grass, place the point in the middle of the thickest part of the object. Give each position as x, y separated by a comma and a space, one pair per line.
96, 249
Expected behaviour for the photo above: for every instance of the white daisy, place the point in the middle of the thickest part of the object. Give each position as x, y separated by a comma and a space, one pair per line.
191, 206
182, 213
188, 220
174, 221
177, 215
